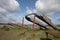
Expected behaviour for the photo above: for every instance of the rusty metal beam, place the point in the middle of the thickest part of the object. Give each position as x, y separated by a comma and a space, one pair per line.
23, 24
36, 21
52, 33
45, 19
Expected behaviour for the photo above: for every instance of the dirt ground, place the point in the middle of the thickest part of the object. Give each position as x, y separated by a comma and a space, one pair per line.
18, 34
8, 35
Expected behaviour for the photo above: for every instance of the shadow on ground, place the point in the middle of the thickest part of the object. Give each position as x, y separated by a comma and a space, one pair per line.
45, 39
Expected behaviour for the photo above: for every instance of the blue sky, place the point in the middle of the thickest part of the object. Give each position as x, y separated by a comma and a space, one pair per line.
31, 5
25, 5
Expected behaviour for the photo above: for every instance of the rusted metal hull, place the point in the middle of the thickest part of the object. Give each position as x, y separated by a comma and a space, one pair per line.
47, 21
36, 22
44, 19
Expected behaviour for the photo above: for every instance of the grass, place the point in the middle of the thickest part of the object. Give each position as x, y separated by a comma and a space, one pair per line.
45, 39
5, 28
22, 34
27, 35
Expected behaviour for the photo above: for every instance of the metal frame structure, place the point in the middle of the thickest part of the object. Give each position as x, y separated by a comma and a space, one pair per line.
47, 21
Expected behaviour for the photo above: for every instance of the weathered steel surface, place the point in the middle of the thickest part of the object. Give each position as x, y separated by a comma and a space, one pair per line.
47, 21
36, 21
33, 25
44, 19
52, 33
23, 24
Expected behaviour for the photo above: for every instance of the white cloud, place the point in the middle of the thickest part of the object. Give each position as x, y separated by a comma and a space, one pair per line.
34, 11
9, 5
29, 11
50, 18
47, 6
58, 18
49, 14
3, 18
10, 18
2, 10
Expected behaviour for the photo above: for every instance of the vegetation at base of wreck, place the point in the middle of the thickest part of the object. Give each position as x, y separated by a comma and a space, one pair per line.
27, 34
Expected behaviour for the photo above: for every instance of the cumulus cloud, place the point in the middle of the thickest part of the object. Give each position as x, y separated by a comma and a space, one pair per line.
2, 10
10, 5
47, 6
3, 18
30, 11
7, 6
10, 18
13, 19
58, 18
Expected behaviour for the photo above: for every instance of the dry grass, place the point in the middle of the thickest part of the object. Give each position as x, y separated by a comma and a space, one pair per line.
18, 34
